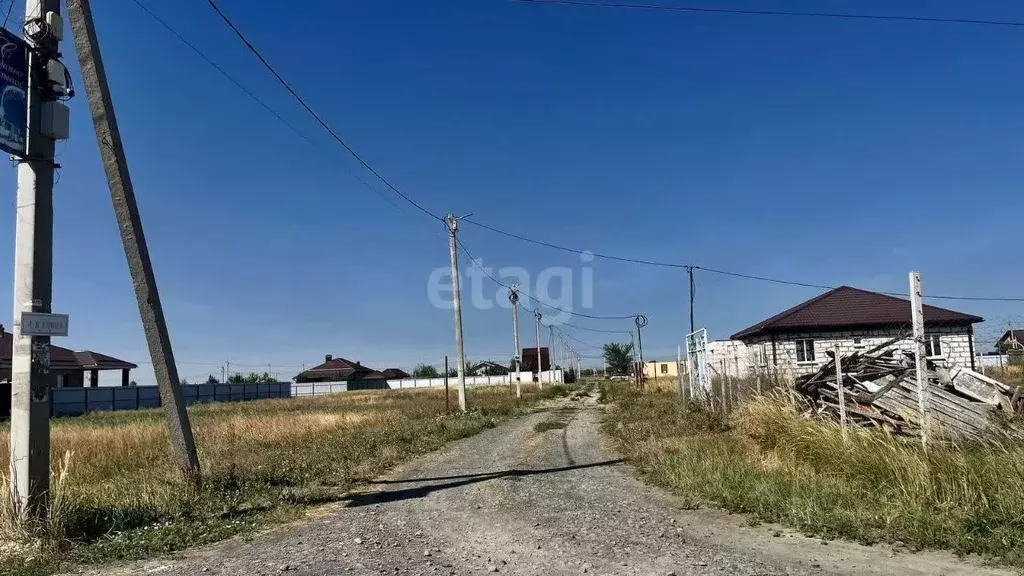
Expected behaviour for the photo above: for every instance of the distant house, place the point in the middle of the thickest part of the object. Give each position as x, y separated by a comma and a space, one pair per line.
70, 369
1011, 340
1012, 345
396, 374
656, 369
489, 368
338, 370
529, 360
795, 341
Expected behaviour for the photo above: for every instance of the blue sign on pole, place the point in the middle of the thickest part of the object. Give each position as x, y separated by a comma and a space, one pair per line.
13, 93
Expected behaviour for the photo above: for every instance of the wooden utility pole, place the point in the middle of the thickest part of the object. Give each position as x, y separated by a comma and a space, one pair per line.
31, 379
920, 355
130, 223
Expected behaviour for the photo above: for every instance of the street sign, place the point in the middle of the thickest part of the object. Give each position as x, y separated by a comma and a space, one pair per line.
43, 324
13, 93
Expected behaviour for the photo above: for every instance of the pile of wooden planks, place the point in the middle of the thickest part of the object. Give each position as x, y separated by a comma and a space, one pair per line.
880, 390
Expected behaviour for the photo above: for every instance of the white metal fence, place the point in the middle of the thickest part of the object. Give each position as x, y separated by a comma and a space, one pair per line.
75, 401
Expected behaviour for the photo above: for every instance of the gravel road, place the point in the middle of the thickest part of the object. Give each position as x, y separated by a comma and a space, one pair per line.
517, 501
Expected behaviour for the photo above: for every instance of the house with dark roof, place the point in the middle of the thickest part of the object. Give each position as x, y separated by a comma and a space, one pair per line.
339, 370
488, 368
70, 369
795, 341
396, 374
1011, 340
529, 360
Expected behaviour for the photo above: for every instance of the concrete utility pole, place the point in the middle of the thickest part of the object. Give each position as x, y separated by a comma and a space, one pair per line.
513, 297
540, 367
563, 356
126, 210
689, 269
680, 391
640, 321
917, 318
632, 345
31, 379
551, 352
460, 358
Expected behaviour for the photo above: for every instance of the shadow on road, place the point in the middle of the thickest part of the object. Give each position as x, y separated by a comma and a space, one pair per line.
456, 481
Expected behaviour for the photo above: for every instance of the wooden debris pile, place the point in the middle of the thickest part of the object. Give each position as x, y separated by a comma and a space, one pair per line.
880, 390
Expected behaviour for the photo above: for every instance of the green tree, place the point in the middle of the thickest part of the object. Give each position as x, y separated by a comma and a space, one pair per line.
619, 357
211, 379
425, 371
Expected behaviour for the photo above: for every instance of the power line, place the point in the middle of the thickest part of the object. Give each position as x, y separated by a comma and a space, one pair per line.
253, 96
537, 300
833, 15
587, 329
313, 113
678, 265
7, 17
641, 261
574, 250
578, 341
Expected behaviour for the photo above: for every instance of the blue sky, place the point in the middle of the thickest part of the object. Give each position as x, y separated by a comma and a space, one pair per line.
826, 151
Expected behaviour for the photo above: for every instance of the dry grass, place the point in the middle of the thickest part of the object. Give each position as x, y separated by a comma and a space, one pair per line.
778, 466
118, 494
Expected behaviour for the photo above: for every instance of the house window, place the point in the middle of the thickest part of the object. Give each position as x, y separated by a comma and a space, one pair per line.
805, 350
61, 380
664, 368
932, 345
761, 355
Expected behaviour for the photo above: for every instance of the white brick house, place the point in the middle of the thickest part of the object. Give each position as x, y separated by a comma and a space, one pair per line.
795, 341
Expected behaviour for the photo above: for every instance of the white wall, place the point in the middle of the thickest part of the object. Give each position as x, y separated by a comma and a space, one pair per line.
955, 344
729, 358
74, 401
548, 376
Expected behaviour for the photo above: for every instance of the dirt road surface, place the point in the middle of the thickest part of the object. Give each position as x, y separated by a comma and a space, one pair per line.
517, 501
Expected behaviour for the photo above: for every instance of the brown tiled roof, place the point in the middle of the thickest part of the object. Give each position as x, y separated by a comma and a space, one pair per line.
96, 361
847, 307
336, 364
340, 369
373, 375
1015, 335
60, 358
396, 374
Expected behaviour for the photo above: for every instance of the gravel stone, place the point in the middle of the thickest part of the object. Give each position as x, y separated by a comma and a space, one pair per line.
574, 506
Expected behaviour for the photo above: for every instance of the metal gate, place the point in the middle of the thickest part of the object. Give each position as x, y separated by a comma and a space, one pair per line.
698, 363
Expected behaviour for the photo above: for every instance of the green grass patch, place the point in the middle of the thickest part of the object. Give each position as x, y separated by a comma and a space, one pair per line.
771, 462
